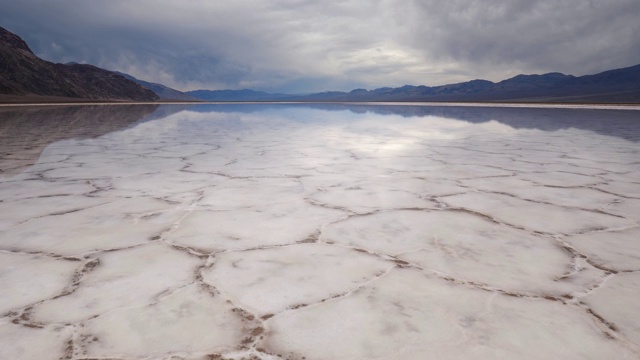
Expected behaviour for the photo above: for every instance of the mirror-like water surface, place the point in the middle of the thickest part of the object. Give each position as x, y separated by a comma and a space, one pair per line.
319, 232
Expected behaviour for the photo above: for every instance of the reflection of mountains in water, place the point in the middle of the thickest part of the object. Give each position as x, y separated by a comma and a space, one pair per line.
26, 131
619, 123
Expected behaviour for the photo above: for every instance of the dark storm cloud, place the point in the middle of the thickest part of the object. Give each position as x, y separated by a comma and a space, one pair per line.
313, 45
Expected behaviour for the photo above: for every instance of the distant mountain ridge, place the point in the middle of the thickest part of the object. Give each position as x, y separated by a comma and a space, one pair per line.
613, 86
620, 85
23, 73
236, 95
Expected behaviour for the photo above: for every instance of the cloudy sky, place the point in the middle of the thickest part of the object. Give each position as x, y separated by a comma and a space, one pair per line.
315, 45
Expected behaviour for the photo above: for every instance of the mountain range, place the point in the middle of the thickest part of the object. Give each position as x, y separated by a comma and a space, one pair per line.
620, 85
613, 86
24, 75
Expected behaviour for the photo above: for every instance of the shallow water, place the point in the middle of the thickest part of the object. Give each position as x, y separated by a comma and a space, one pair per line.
319, 232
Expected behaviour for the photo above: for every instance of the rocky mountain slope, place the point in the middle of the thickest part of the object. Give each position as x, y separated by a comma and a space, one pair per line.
23, 73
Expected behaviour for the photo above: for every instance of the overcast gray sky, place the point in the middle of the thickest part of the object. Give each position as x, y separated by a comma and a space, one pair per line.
317, 45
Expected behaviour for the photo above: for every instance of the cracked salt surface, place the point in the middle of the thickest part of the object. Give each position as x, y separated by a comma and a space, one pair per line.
321, 232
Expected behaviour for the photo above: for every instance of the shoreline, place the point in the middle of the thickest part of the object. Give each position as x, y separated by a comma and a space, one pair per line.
593, 106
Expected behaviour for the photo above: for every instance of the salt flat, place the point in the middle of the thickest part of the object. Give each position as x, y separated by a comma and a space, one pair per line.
290, 231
